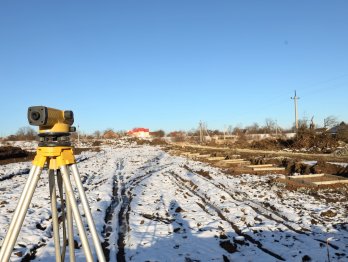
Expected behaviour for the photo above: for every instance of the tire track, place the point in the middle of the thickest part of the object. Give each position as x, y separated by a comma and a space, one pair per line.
180, 181
254, 206
121, 199
257, 207
24, 171
109, 214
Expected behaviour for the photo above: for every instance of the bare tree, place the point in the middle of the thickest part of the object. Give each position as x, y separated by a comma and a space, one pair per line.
330, 121
254, 128
25, 133
238, 130
303, 123
158, 133
109, 133
229, 130
270, 125
177, 136
97, 134
121, 133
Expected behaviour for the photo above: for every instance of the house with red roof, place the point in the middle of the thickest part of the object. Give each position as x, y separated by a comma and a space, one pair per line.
139, 132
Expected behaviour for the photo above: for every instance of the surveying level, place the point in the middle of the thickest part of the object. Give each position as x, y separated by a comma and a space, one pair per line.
56, 153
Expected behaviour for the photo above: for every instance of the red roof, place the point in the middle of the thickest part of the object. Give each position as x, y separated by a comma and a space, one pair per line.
137, 130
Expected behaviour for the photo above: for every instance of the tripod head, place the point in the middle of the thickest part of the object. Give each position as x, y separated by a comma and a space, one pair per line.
55, 125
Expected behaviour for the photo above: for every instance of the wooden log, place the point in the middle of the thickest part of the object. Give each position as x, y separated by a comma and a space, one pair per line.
227, 165
203, 156
268, 168
233, 160
345, 181
306, 176
244, 162
264, 165
193, 154
234, 156
333, 177
216, 158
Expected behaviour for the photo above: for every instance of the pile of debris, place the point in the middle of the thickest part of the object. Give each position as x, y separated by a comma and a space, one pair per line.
7, 152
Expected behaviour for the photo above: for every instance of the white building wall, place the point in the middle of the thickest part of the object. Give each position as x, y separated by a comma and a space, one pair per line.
142, 134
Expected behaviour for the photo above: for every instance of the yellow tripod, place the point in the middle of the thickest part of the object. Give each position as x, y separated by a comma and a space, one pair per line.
61, 164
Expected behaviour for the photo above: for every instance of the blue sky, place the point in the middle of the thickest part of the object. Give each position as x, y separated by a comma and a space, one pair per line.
170, 64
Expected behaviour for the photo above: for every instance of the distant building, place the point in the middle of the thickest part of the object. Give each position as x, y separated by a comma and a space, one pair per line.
139, 132
336, 129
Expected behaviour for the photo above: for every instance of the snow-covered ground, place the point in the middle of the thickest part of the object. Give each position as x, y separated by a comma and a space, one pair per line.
151, 206
339, 164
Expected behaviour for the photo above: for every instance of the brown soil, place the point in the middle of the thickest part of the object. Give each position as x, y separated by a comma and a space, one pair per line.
328, 213
97, 143
295, 185
79, 150
271, 144
30, 157
228, 246
7, 152
153, 142
200, 172
10, 154
263, 152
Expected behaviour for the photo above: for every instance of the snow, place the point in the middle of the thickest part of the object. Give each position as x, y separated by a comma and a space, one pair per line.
168, 208
310, 163
339, 164
25, 145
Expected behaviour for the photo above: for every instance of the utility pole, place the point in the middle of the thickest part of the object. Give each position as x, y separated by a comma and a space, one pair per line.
225, 129
295, 98
201, 132
78, 135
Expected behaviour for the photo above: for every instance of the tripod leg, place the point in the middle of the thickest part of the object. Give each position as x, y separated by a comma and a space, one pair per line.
19, 215
55, 222
88, 213
70, 228
20, 202
76, 213
63, 205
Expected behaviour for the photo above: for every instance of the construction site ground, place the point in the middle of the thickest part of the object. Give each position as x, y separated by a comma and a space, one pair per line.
153, 203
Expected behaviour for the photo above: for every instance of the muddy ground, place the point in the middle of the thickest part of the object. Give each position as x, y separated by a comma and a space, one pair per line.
293, 163
10, 154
